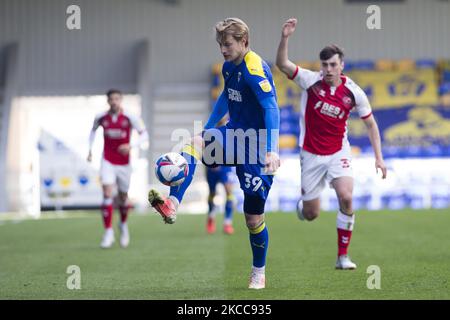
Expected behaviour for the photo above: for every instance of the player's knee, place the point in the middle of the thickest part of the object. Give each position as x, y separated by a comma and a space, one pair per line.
253, 225
123, 197
229, 190
310, 213
345, 199
211, 196
254, 221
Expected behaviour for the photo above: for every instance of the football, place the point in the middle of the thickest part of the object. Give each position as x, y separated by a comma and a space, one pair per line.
171, 169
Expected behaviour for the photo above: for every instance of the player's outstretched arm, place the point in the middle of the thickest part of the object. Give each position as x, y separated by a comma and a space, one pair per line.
283, 62
219, 111
375, 140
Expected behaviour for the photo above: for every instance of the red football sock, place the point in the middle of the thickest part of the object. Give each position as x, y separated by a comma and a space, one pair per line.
344, 237
107, 213
124, 212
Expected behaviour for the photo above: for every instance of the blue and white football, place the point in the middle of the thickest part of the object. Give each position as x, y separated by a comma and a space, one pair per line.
171, 169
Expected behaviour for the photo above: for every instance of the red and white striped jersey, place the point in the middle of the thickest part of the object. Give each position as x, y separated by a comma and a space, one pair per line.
117, 131
325, 110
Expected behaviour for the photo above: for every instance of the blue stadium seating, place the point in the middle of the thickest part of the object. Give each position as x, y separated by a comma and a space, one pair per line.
444, 88
425, 63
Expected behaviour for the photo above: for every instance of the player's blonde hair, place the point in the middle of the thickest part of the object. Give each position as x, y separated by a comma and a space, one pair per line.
235, 27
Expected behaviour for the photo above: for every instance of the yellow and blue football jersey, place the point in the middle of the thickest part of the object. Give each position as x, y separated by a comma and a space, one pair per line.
245, 85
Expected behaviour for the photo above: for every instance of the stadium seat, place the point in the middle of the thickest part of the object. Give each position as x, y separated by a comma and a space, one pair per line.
425, 63
445, 100
305, 64
288, 141
405, 65
445, 76
384, 65
364, 65
444, 88
444, 70
288, 113
289, 127
444, 64
349, 66
315, 66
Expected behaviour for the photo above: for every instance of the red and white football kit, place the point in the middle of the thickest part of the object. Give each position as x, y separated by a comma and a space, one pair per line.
115, 167
326, 153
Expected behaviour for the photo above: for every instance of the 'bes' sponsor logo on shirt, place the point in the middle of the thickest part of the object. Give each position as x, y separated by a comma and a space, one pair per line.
330, 110
115, 133
234, 95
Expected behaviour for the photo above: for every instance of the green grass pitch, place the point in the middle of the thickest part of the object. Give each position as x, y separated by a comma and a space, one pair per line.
180, 261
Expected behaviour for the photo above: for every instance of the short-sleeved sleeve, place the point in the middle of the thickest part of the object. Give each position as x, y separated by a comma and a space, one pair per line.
136, 123
97, 121
256, 77
362, 104
305, 78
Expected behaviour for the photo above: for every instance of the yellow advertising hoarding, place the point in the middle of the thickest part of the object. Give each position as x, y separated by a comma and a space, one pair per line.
387, 89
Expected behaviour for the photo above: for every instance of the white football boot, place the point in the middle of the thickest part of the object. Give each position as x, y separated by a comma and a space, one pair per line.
124, 235
257, 280
300, 210
108, 239
344, 263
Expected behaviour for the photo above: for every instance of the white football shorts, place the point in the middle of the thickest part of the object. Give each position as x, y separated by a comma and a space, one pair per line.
319, 170
111, 174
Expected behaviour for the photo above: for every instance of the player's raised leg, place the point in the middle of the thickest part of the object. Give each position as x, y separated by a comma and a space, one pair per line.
107, 214
167, 207
345, 221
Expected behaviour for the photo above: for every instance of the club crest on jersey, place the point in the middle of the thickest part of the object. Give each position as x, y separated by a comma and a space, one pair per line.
124, 123
347, 100
265, 85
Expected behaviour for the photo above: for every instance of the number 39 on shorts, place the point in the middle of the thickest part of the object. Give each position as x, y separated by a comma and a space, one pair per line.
252, 182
